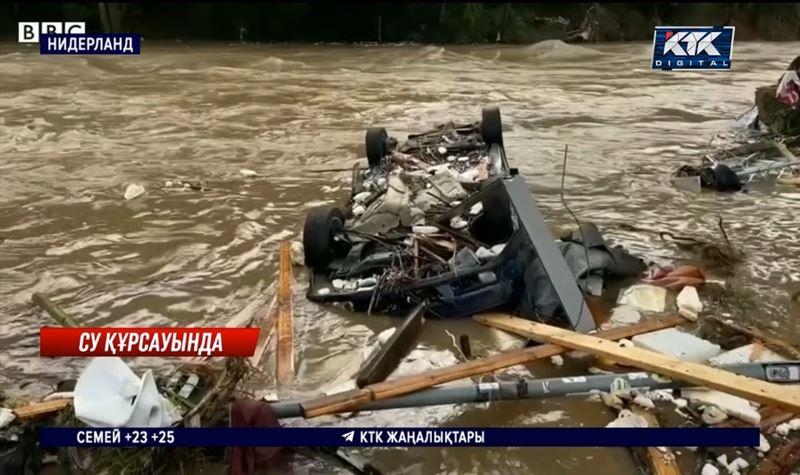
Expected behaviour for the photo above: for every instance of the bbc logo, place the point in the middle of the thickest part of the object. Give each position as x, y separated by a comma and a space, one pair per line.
29, 31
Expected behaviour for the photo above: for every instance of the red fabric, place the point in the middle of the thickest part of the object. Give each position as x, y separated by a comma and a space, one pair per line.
251, 460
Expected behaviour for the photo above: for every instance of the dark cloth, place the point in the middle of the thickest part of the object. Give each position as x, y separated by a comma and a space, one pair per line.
250, 460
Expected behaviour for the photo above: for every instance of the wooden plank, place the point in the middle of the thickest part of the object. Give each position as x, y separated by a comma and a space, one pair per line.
661, 463
779, 346
749, 388
54, 310
386, 359
349, 400
781, 460
284, 359
770, 417
41, 408
265, 333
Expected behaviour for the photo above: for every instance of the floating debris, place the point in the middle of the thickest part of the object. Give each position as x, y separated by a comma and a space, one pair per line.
134, 190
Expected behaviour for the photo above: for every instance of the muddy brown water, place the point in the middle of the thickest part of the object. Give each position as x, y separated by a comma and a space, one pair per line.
75, 131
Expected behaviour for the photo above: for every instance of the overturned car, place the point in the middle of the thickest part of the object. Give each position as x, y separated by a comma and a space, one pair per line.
443, 219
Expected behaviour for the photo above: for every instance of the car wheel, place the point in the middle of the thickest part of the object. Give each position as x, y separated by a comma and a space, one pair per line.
491, 125
318, 232
377, 142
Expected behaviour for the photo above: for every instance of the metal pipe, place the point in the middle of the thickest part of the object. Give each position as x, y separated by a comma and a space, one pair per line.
781, 373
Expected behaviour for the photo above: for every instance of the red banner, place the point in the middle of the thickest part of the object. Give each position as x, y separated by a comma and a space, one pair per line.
59, 341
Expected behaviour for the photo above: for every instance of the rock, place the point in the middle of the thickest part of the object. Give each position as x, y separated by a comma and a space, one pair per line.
557, 360
713, 415
763, 444
733, 406
679, 344
743, 354
709, 469
248, 172
643, 401
689, 304
298, 256
648, 298
6, 417
133, 191
611, 400
625, 315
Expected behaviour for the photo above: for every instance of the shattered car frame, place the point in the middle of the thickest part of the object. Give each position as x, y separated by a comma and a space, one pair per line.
490, 250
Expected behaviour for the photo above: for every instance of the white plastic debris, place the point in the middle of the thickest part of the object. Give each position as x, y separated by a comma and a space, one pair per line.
763, 444
367, 282
709, 469
557, 360
442, 150
384, 336
689, 304
498, 248
6, 417
731, 405
744, 354
679, 344
484, 254
358, 210
362, 197
476, 208
625, 315
425, 229
451, 158
611, 400
168, 184
629, 420
109, 394
648, 298
298, 254
713, 415
681, 403
463, 159
643, 401
324, 291
337, 284
133, 190
458, 223
786, 427
723, 460
737, 465
248, 172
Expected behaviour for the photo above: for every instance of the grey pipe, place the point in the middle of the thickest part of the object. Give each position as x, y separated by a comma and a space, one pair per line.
782, 373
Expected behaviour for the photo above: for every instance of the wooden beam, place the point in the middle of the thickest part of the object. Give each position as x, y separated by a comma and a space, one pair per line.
54, 310
749, 388
265, 333
349, 400
661, 463
781, 460
284, 359
386, 359
37, 409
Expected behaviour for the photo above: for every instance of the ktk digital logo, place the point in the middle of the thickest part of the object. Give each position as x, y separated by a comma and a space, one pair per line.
692, 47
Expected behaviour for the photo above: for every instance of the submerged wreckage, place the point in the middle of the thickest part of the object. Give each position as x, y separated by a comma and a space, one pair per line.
443, 219
440, 225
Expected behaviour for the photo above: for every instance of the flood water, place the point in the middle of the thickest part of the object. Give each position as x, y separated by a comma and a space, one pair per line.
75, 131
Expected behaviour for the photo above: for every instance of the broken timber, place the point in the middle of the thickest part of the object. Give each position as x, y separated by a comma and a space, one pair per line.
661, 463
284, 358
54, 310
265, 333
386, 359
41, 408
781, 460
752, 389
349, 400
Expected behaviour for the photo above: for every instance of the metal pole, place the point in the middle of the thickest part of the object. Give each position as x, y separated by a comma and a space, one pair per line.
781, 373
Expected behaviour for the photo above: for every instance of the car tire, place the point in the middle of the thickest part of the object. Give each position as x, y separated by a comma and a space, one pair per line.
491, 125
377, 144
320, 227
